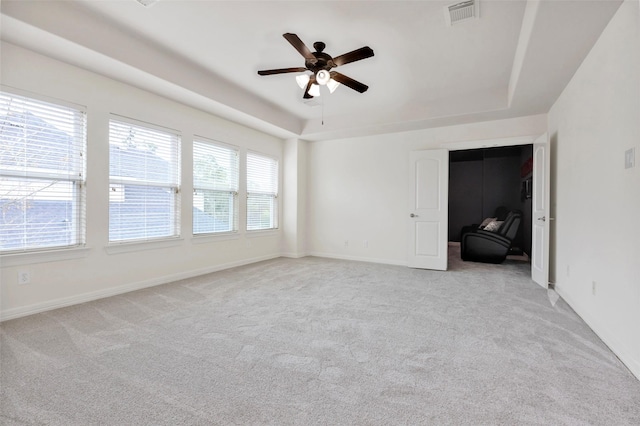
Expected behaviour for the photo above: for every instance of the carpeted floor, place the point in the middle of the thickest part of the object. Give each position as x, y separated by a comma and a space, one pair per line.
318, 341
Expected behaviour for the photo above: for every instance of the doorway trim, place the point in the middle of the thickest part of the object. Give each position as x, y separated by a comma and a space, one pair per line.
490, 143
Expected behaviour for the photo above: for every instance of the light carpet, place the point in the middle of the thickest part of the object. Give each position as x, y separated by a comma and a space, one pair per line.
317, 341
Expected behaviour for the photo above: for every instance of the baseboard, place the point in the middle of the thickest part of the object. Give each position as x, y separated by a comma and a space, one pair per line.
619, 349
294, 255
359, 259
114, 291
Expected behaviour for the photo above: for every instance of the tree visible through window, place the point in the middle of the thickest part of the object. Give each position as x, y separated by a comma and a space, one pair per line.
262, 192
144, 182
215, 188
42, 172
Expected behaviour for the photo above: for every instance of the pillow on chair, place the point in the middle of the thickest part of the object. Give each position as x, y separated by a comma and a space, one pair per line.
493, 226
486, 222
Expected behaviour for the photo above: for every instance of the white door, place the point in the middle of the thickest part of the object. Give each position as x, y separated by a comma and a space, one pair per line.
428, 209
540, 212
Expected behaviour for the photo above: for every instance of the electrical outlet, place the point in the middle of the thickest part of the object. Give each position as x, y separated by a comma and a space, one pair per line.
366, 244
593, 288
568, 271
630, 158
346, 243
24, 277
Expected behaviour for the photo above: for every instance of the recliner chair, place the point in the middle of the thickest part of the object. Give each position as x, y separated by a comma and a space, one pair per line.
491, 246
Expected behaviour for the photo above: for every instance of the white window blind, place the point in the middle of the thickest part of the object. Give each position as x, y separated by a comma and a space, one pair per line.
42, 174
144, 181
215, 188
262, 192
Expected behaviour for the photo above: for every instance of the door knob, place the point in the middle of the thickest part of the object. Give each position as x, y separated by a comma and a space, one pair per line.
413, 215
543, 218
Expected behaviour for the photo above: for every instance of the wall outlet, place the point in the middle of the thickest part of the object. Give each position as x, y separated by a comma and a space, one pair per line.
593, 288
629, 158
346, 243
366, 244
24, 277
568, 271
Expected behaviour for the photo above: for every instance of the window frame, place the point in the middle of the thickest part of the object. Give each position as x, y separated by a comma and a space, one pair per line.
75, 175
174, 187
274, 196
233, 192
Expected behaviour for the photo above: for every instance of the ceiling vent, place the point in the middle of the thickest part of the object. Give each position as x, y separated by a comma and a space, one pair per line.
462, 11
147, 3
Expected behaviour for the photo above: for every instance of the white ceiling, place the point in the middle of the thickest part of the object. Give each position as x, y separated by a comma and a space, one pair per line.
512, 61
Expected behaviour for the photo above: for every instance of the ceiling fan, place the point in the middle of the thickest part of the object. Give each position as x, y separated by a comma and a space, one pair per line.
320, 64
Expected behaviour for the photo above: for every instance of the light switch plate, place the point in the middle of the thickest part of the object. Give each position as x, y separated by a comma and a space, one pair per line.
629, 158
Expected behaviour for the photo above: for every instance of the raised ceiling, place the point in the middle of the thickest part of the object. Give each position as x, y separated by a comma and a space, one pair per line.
514, 60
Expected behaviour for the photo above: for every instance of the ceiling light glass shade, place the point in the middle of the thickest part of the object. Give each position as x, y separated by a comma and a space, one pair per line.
302, 80
322, 77
332, 85
314, 90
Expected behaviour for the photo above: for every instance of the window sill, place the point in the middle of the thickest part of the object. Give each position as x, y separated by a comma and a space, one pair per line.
45, 256
210, 238
129, 247
262, 233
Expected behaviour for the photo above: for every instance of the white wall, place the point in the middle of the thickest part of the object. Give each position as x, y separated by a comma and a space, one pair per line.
358, 188
294, 198
595, 200
96, 272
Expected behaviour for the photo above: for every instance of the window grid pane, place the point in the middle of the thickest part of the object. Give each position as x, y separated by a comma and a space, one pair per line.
262, 192
42, 151
214, 211
144, 182
215, 182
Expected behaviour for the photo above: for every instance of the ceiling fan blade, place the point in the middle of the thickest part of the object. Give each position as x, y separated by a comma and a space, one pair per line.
306, 95
306, 91
349, 82
281, 71
356, 55
299, 46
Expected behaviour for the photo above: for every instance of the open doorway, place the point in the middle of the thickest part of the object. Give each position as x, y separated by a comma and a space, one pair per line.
484, 180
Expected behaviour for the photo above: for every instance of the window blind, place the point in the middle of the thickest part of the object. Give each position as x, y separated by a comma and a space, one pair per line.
144, 181
262, 192
215, 188
42, 174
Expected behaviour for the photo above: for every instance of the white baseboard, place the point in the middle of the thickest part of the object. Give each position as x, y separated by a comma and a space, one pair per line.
294, 255
359, 259
36, 308
621, 350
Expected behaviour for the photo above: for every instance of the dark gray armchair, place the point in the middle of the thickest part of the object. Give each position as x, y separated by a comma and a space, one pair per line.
491, 246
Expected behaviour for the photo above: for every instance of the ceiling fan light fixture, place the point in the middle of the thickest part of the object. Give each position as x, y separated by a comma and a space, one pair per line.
302, 80
314, 90
323, 77
332, 85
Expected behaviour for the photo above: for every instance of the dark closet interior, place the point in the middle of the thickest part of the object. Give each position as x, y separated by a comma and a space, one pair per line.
480, 180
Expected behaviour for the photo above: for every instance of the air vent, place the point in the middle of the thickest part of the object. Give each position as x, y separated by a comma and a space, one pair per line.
147, 3
461, 12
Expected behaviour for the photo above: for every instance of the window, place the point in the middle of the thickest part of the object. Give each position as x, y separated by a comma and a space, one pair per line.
215, 188
262, 192
42, 172
144, 181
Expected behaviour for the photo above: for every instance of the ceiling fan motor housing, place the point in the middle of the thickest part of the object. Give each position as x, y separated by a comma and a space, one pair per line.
322, 61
